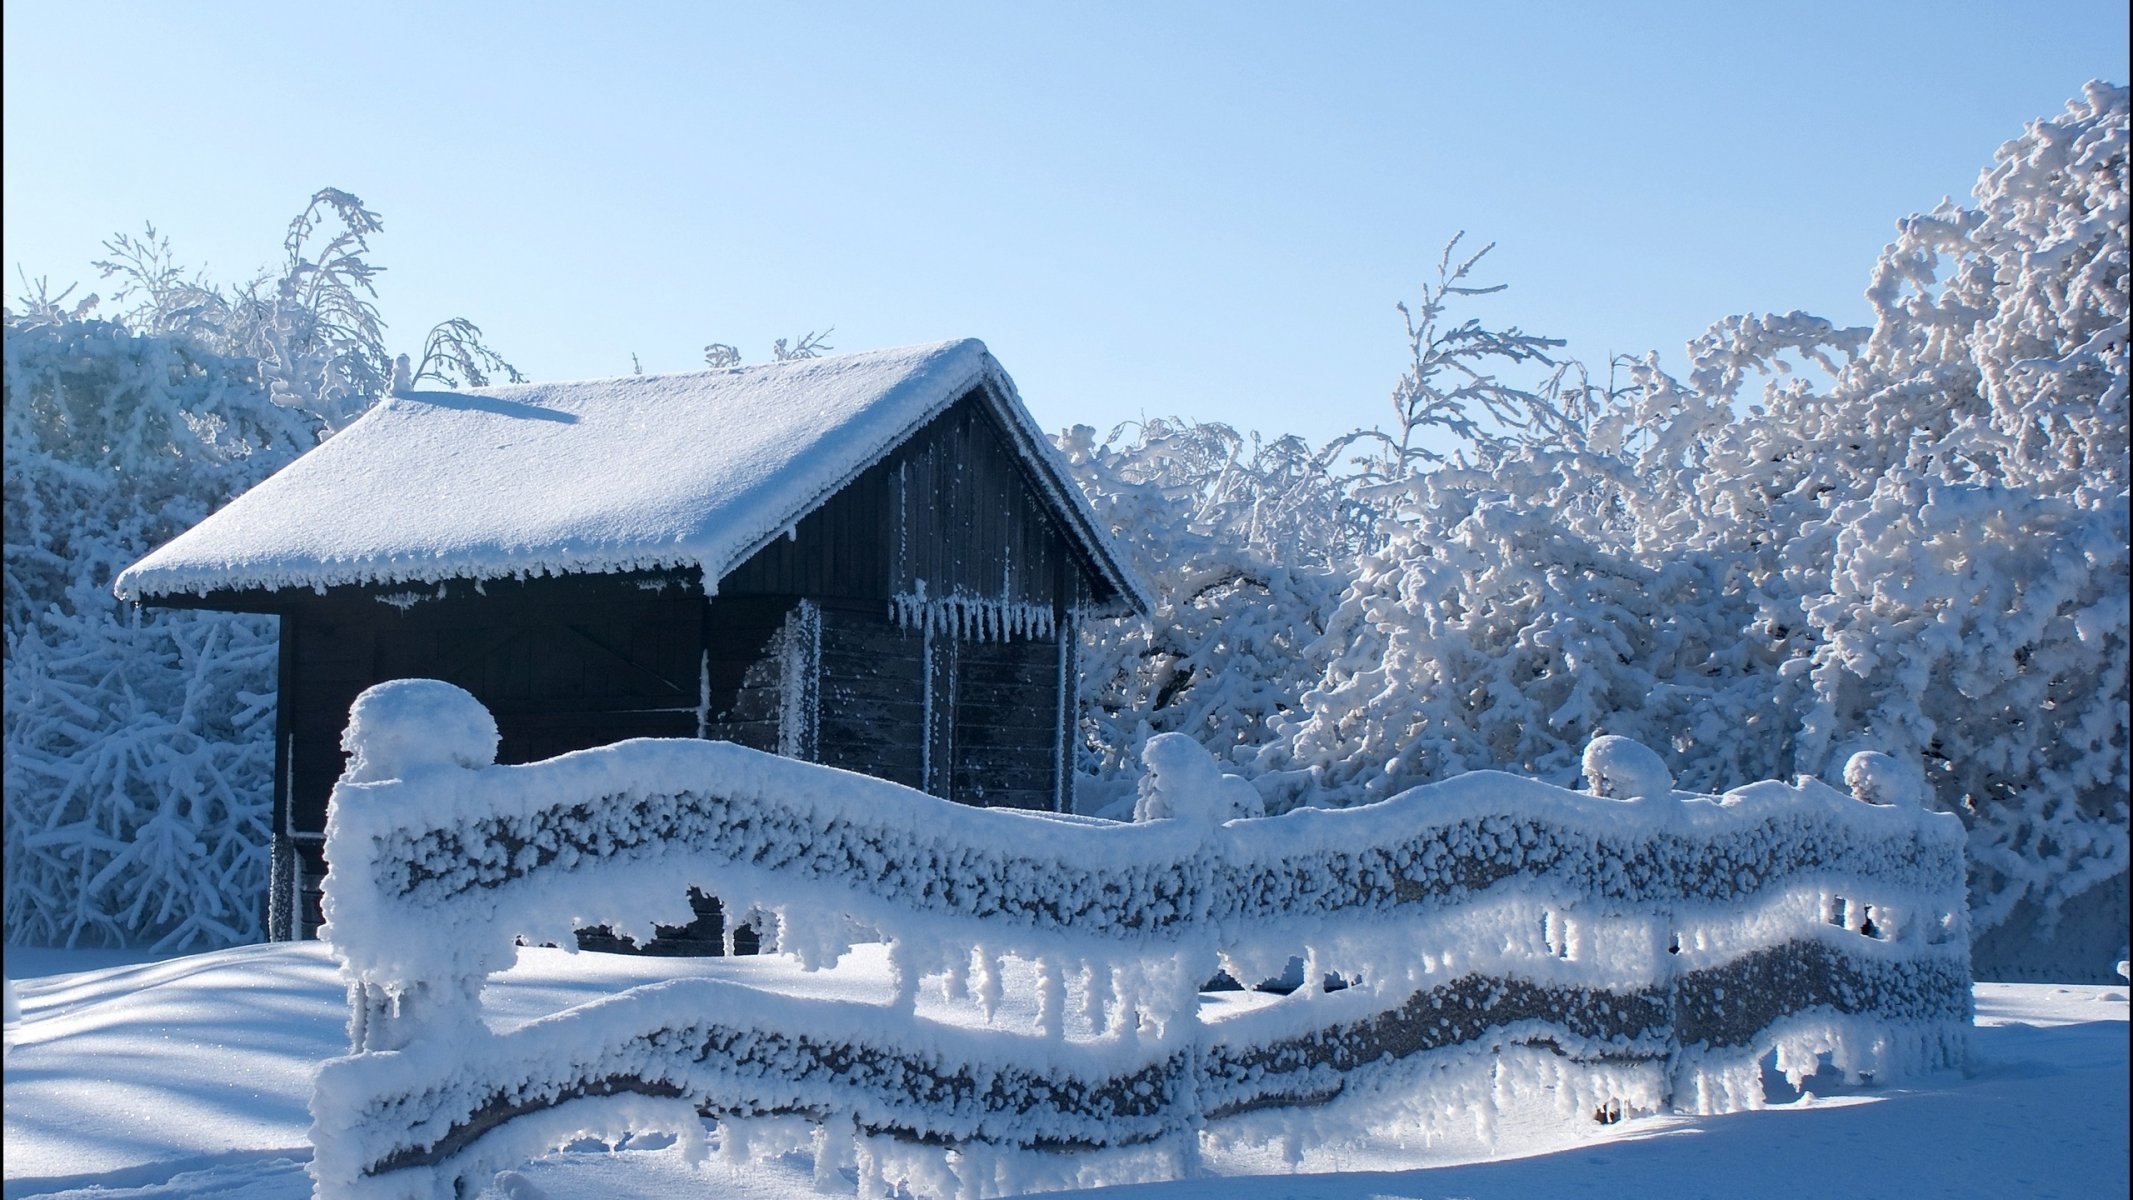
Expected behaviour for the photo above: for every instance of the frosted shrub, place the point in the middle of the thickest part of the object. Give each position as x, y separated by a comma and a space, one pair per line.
1244, 545
139, 744
139, 755
1923, 552
1489, 634
1973, 621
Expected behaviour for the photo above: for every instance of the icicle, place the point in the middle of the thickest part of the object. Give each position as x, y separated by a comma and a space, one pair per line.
1051, 997
903, 978
836, 1148
955, 977
733, 1141
1103, 984
873, 1182
988, 981
1126, 992
1098, 991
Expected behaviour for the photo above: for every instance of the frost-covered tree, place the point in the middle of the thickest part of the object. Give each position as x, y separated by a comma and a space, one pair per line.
720, 356
1451, 388
138, 744
1513, 613
311, 323
1924, 554
138, 749
1971, 613
1242, 542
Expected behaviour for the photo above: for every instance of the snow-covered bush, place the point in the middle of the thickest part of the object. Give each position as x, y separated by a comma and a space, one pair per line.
1919, 547
1243, 543
311, 323
138, 747
1489, 633
138, 744
1963, 569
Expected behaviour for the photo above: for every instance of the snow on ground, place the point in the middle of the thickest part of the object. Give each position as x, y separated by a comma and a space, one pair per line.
189, 1077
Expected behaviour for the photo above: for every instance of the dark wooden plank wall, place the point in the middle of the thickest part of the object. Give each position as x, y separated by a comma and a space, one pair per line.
747, 684
969, 523
872, 694
840, 551
1006, 723
563, 664
953, 506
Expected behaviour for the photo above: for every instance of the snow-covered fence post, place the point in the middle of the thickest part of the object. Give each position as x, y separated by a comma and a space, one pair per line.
1623, 950
407, 740
1625, 770
1185, 784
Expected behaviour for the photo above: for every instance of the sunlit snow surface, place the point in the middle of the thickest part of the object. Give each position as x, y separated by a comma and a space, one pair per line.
189, 1077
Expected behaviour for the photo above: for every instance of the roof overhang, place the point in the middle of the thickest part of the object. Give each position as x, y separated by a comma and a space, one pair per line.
225, 563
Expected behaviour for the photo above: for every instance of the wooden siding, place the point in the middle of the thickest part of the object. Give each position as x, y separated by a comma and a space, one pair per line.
968, 522
1006, 723
744, 676
872, 694
840, 551
563, 664
953, 507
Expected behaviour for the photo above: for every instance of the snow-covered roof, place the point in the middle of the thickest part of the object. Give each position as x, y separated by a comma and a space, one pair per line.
644, 472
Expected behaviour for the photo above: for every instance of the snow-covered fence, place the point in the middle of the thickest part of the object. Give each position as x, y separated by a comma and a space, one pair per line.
1501, 941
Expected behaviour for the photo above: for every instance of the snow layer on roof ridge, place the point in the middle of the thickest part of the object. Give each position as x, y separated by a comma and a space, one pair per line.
483, 483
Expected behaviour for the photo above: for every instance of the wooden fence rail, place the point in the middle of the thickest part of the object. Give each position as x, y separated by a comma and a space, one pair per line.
1646, 954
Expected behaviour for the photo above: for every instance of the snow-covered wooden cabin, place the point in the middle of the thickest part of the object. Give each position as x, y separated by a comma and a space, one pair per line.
874, 561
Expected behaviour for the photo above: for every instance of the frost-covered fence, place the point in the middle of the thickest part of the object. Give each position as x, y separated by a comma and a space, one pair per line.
1501, 941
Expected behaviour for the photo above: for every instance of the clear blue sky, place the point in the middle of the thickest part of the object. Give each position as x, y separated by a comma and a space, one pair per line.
1143, 208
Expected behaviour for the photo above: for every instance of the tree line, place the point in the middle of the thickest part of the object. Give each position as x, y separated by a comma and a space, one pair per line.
1908, 536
